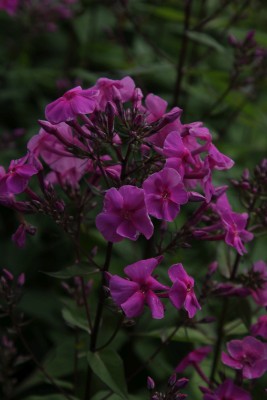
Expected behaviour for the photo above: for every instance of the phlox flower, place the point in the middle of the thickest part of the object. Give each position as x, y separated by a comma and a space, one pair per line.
182, 292
248, 355
226, 391
164, 192
132, 294
124, 215
18, 175
74, 102
125, 88
260, 328
234, 224
194, 357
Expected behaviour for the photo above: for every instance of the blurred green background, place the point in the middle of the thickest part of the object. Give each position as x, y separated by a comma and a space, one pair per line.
145, 40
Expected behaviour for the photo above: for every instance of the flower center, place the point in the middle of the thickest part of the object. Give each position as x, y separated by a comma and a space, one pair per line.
126, 215
165, 195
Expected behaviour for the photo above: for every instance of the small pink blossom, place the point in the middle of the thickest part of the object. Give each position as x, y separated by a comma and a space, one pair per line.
194, 357
164, 192
234, 224
182, 292
18, 175
248, 355
74, 102
227, 391
124, 87
132, 295
260, 328
124, 215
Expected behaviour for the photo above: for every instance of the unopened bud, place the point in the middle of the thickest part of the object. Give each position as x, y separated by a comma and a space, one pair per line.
181, 383
150, 383
21, 279
172, 380
7, 274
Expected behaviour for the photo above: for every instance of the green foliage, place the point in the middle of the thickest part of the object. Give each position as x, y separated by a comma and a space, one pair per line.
108, 366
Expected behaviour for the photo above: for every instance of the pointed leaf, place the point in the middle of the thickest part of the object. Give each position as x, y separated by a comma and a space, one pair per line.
108, 366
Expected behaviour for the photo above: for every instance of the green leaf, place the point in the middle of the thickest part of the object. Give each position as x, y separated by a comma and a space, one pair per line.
75, 320
108, 366
206, 40
49, 397
81, 269
182, 335
244, 312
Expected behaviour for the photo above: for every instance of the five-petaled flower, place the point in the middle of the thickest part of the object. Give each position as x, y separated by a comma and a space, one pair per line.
125, 215
132, 295
248, 355
182, 292
164, 192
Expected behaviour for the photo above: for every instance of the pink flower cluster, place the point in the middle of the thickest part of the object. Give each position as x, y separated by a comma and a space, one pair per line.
142, 288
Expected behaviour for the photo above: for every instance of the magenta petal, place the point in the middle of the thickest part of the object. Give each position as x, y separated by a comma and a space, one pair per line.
231, 362
155, 305
256, 370
235, 348
59, 111
170, 210
134, 306
141, 270
191, 304
177, 272
113, 200
16, 184
127, 229
107, 225
143, 223
82, 105
121, 289
26, 171
177, 294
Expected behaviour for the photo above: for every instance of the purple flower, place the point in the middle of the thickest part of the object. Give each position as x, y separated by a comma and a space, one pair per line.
164, 192
18, 175
260, 328
182, 292
106, 87
124, 215
9, 5
194, 357
74, 102
19, 237
227, 391
259, 293
132, 295
234, 224
248, 355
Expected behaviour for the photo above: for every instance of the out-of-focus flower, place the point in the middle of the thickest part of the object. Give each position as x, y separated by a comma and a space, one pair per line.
226, 391
260, 328
194, 357
248, 355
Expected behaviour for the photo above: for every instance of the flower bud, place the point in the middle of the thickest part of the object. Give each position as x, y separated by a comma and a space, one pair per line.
150, 383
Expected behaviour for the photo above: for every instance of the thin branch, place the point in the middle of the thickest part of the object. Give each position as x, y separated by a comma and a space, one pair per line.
182, 55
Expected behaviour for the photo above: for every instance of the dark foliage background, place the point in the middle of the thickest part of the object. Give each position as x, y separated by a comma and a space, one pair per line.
143, 39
